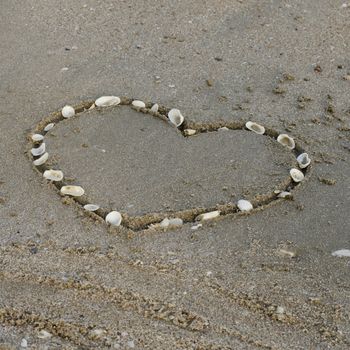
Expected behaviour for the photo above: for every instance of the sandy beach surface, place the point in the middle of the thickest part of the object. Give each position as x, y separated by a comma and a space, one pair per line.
263, 280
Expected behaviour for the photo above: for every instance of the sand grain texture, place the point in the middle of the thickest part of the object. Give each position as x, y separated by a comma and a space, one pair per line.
263, 281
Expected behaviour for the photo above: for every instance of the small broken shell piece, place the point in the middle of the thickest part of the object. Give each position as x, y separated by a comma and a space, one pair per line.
41, 160
286, 140
75, 191
92, 107
285, 194
38, 151
155, 108
48, 127
175, 222
176, 117
257, 128
68, 112
196, 227
138, 104
244, 205
37, 137
189, 132
342, 253
91, 207
303, 160
164, 223
53, 175
44, 334
296, 175
106, 101
223, 128
114, 218
171, 222
208, 216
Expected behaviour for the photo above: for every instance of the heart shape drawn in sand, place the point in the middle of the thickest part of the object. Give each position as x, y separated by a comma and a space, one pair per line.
205, 148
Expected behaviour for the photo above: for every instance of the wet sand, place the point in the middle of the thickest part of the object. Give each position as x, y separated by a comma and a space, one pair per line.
266, 280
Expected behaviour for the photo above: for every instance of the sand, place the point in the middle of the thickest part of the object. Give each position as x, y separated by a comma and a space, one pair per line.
262, 281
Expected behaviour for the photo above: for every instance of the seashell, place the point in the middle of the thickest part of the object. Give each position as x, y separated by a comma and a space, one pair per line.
114, 218
196, 227
285, 194
175, 222
164, 223
223, 128
44, 334
303, 160
24, 343
97, 333
138, 104
38, 151
41, 160
257, 128
189, 132
49, 126
37, 137
92, 107
53, 175
75, 191
106, 101
208, 216
171, 222
244, 205
155, 108
296, 175
176, 117
68, 112
286, 140
91, 207
342, 253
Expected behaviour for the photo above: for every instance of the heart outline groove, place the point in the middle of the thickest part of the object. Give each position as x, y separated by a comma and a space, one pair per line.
152, 220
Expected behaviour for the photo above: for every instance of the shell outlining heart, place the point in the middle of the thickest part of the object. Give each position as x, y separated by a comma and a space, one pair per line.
162, 220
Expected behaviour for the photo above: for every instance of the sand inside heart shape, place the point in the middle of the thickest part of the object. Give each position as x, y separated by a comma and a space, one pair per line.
138, 164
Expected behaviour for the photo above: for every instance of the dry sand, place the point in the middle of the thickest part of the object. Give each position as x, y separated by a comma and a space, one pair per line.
262, 281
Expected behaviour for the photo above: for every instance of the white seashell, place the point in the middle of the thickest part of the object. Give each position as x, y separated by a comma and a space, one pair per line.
176, 117
164, 223
244, 205
155, 108
92, 107
175, 222
75, 191
257, 128
286, 140
41, 160
208, 216
24, 343
303, 160
223, 128
49, 126
106, 101
296, 175
97, 333
68, 112
189, 132
196, 227
138, 104
44, 334
53, 175
37, 137
342, 253
114, 218
284, 194
38, 151
91, 207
